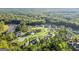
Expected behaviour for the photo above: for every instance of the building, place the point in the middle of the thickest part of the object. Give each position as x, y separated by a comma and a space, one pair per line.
76, 46
33, 42
19, 33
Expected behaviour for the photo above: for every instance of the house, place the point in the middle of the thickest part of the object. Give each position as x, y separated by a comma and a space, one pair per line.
76, 46
53, 26
32, 33
33, 42
69, 36
49, 27
43, 26
19, 33
48, 36
71, 43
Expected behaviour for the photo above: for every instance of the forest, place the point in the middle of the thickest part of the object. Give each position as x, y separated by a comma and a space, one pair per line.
39, 29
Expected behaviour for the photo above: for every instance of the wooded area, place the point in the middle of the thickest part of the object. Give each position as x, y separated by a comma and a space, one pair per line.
39, 29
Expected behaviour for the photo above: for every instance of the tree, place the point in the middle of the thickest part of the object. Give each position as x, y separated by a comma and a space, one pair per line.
3, 27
